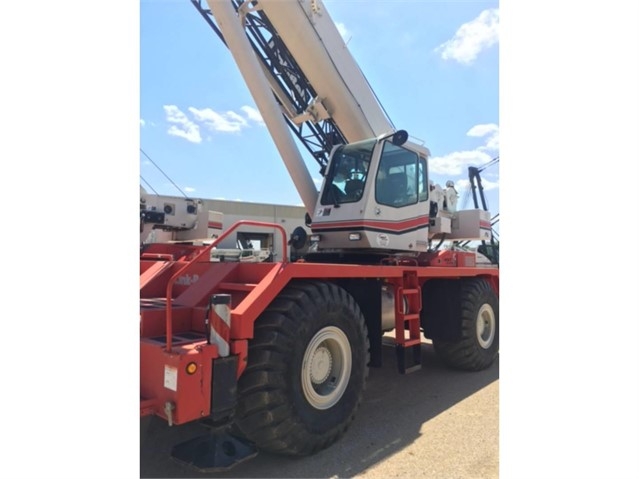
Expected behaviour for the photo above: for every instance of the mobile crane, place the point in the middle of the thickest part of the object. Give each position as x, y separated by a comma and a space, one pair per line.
275, 356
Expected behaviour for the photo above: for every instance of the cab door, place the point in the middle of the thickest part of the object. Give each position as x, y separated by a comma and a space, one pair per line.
397, 219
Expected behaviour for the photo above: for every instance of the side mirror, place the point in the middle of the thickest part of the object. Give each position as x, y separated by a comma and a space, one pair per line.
399, 137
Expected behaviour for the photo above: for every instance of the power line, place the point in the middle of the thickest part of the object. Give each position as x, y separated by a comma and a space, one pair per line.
149, 185
165, 175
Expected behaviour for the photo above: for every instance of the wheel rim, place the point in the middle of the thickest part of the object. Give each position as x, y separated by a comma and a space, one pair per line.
326, 368
486, 326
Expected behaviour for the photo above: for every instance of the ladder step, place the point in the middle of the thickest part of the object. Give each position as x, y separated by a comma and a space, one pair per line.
409, 291
408, 349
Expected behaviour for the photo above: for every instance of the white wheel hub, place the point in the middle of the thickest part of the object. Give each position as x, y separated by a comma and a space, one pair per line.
321, 364
486, 326
326, 367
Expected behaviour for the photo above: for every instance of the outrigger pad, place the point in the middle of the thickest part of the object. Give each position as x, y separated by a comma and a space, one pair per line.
213, 452
409, 359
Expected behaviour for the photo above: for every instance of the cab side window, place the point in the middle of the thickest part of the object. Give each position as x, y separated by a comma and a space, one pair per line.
400, 178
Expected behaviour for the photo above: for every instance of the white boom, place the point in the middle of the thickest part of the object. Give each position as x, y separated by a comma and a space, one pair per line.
343, 92
258, 85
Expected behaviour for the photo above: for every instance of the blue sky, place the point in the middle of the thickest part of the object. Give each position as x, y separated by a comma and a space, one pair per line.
435, 70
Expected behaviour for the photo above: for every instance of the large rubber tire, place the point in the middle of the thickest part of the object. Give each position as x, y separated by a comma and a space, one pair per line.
478, 345
307, 369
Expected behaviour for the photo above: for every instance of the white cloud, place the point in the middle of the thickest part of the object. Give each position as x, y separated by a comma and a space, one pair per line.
189, 189
142, 122
253, 114
232, 116
457, 162
489, 130
182, 126
483, 129
227, 122
343, 31
472, 37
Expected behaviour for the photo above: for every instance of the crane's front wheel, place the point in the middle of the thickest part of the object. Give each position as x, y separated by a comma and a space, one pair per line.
478, 345
326, 367
306, 372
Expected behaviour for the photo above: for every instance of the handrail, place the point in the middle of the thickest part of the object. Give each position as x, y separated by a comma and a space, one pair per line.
182, 270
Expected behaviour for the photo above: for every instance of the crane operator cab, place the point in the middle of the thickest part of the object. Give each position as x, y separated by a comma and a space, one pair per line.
375, 195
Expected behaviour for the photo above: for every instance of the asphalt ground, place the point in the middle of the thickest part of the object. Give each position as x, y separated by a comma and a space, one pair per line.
435, 422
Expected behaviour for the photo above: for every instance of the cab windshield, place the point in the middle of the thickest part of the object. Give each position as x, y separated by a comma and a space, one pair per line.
347, 175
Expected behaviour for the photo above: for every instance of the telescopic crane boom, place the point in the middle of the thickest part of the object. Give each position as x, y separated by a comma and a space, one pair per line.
323, 95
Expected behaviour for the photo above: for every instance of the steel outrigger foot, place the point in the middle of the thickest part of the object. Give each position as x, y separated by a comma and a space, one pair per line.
409, 359
214, 452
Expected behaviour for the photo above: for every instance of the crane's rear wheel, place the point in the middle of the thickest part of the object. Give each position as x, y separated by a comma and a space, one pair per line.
306, 372
478, 345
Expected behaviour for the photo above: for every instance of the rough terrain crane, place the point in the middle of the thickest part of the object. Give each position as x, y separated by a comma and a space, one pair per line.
275, 356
